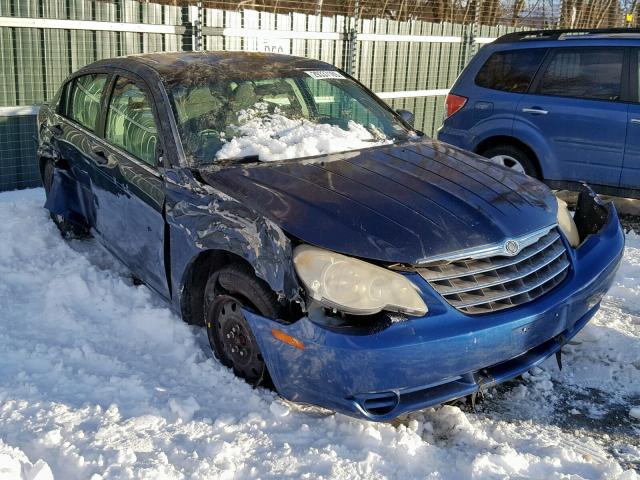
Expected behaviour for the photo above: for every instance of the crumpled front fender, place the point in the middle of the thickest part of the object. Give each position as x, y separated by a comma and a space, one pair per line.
211, 220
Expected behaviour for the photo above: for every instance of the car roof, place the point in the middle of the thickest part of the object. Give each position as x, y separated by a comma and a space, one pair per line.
232, 64
578, 35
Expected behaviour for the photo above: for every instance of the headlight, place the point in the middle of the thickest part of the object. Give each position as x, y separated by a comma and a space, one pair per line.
354, 286
566, 223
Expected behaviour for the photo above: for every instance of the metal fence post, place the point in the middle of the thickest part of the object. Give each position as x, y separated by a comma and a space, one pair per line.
475, 31
198, 38
352, 39
187, 36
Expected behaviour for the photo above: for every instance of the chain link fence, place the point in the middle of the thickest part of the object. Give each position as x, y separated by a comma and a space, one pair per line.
409, 51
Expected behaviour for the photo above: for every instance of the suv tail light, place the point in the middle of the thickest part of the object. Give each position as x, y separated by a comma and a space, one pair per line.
453, 104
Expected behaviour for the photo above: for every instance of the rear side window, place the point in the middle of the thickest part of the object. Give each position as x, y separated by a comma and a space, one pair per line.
593, 73
510, 71
83, 99
130, 123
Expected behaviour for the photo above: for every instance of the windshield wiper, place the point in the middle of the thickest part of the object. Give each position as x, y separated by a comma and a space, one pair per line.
245, 159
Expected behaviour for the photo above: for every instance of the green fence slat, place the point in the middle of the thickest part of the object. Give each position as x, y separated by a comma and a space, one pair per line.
34, 62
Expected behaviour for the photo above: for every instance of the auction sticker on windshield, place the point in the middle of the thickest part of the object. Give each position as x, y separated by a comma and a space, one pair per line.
323, 74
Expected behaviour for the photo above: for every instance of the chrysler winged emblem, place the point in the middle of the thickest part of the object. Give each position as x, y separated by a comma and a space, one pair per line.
511, 247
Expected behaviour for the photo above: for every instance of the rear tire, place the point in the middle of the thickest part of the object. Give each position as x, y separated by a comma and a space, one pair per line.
232, 341
514, 158
67, 228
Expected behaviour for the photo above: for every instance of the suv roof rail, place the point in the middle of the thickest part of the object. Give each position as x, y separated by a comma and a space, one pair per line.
569, 33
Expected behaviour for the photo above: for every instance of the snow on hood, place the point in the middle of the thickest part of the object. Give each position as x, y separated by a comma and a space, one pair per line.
276, 137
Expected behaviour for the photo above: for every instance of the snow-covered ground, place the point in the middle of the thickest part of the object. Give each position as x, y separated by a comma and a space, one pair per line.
98, 379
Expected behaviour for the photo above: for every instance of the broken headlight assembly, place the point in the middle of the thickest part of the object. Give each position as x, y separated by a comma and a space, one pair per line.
353, 286
566, 223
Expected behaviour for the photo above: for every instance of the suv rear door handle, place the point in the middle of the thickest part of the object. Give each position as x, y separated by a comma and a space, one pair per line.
535, 110
635, 120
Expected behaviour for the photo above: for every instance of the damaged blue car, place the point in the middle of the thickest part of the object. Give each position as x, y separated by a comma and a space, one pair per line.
330, 249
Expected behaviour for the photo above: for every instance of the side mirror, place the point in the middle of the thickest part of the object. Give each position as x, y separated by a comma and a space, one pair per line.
407, 116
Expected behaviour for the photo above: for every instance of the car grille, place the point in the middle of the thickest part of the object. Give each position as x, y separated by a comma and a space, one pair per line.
494, 283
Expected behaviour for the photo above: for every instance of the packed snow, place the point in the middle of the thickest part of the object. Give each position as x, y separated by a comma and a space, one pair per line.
100, 380
276, 137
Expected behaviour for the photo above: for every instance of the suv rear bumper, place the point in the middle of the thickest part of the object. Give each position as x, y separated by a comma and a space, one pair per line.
457, 137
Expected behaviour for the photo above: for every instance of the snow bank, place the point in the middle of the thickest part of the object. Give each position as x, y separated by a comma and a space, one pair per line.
276, 137
99, 380
607, 354
14, 465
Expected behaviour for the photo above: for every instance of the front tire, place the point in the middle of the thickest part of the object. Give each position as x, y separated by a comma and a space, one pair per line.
229, 290
514, 158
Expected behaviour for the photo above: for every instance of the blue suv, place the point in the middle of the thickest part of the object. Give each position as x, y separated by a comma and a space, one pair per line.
562, 106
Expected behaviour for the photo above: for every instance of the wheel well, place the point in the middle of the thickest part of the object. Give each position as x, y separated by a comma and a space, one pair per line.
195, 281
42, 161
491, 142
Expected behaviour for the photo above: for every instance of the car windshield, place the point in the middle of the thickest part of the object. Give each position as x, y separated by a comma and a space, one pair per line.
307, 113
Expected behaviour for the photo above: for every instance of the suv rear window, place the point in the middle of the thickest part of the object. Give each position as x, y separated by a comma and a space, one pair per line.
510, 71
594, 73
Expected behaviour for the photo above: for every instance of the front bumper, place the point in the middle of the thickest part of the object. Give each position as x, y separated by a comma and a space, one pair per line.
420, 362
459, 137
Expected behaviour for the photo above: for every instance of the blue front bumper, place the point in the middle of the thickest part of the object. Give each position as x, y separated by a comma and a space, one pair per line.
420, 362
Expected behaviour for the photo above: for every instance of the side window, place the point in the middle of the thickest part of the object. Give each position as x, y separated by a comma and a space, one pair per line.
337, 102
130, 124
510, 71
594, 73
83, 99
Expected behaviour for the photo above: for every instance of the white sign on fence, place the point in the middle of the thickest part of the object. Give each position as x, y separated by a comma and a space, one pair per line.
269, 45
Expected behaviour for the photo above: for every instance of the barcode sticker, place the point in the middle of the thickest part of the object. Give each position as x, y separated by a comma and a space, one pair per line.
323, 74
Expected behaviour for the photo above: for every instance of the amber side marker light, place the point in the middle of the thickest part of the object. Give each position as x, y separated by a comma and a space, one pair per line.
288, 339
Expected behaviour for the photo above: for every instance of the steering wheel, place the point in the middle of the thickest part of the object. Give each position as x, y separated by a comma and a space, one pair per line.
208, 132
339, 122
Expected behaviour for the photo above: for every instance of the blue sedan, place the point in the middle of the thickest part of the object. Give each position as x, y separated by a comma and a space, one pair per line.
331, 250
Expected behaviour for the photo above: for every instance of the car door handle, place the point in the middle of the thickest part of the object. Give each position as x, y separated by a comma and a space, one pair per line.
635, 120
535, 110
100, 156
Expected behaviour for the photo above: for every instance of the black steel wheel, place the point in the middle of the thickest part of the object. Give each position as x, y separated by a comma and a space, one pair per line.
228, 290
232, 340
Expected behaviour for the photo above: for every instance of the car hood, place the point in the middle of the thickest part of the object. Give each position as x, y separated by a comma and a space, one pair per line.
398, 203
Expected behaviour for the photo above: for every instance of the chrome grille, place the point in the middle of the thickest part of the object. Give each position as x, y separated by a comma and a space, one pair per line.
494, 283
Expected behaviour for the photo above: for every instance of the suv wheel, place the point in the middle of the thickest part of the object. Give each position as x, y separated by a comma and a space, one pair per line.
513, 158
